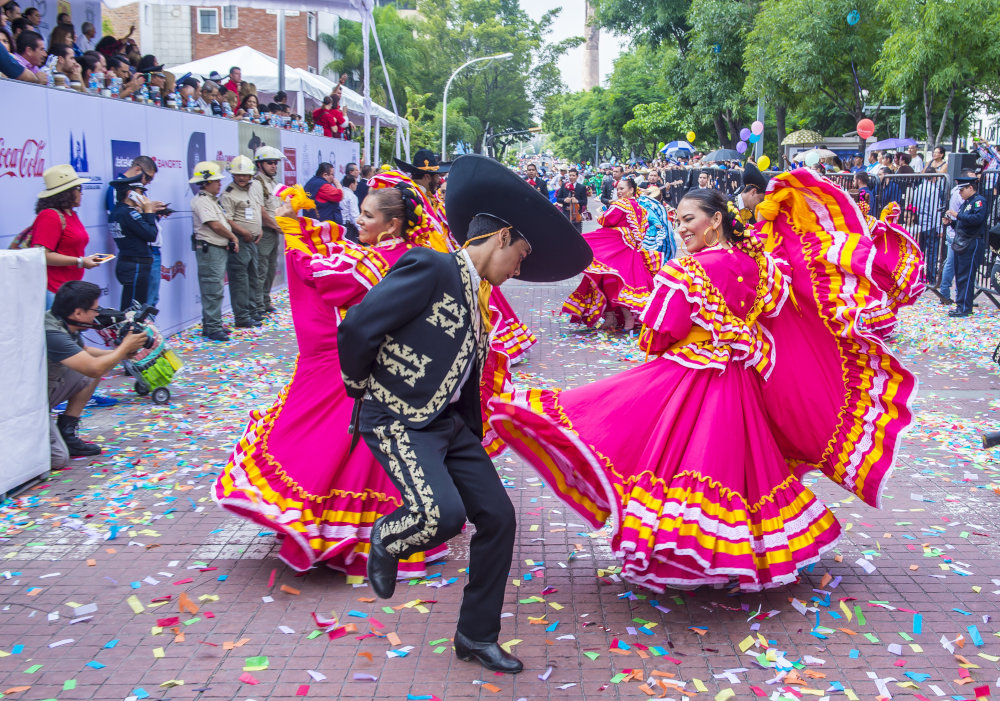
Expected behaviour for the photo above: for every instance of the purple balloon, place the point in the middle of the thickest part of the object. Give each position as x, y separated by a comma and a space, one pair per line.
741, 147
744, 133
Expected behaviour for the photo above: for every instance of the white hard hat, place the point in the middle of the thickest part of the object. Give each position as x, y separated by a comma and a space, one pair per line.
241, 165
268, 153
206, 171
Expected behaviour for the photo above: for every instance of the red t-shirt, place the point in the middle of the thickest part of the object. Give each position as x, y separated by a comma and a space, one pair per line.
330, 120
72, 241
232, 86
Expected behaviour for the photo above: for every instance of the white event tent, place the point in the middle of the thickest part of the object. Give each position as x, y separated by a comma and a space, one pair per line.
306, 90
356, 10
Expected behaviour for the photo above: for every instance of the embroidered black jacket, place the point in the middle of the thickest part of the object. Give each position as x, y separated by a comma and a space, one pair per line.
410, 341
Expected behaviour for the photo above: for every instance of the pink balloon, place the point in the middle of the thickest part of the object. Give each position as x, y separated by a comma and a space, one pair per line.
757, 127
866, 128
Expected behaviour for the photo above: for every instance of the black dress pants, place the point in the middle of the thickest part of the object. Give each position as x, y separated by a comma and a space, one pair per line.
444, 475
966, 264
133, 274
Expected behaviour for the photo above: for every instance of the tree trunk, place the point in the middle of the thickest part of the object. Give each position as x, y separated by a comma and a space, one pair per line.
955, 122
944, 116
733, 123
928, 107
720, 128
780, 112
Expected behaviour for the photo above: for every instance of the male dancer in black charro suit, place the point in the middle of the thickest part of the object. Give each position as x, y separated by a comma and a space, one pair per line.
416, 347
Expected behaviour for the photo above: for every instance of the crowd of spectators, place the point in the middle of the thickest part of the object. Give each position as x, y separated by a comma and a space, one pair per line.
114, 67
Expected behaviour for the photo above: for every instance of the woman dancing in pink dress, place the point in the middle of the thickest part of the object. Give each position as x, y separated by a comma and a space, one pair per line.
696, 456
293, 469
618, 283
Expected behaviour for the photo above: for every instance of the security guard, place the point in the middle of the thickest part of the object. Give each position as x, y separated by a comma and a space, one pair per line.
750, 194
268, 159
213, 240
243, 202
969, 244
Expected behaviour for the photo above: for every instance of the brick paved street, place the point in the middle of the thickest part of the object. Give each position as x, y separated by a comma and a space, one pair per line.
89, 558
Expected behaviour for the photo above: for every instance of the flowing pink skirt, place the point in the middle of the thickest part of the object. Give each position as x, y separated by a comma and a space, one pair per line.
293, 472
621, 277
684, 462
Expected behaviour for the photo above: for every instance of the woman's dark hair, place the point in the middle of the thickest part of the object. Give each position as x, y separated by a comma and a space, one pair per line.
393, 203
63, 201
73, 295
348, 180
246, 98
334, 101
863, 178
712, 201
482, 224
939, 148
631, 183
327, 100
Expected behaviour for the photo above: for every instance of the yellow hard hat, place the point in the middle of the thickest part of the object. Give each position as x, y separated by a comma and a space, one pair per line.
241, 165
206, 171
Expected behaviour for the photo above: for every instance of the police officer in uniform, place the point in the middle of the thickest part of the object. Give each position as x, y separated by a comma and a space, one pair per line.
413, 350
969, 244
268, 159
243, 201
749, 194
213, 239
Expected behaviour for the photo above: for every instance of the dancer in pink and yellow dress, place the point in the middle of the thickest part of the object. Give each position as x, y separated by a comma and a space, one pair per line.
293, 469
617, 285
898, 267
763, 371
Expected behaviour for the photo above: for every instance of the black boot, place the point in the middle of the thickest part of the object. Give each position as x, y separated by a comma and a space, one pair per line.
78, 448
489, 655
382, 567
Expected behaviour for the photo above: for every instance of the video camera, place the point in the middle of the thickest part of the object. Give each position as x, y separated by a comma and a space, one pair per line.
114, 324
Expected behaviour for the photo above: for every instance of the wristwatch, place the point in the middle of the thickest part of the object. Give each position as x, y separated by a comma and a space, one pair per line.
79, 262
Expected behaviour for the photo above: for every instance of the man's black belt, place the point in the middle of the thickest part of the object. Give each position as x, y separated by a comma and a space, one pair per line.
136, 259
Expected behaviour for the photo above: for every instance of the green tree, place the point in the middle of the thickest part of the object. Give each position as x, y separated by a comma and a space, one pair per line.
932, 57
809, 47
713, 63
648, 23
404, 53
500, 95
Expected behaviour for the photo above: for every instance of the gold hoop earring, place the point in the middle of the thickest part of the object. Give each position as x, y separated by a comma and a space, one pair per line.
718, 237
384, 235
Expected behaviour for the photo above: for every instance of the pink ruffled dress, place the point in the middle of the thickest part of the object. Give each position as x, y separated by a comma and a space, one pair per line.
898, 268
292, 470
621, 275
765, 371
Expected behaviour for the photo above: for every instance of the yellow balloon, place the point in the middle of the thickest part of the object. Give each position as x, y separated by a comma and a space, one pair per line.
763, 162
690, 136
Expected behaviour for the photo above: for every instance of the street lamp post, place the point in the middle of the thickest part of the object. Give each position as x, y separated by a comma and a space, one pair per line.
444, 105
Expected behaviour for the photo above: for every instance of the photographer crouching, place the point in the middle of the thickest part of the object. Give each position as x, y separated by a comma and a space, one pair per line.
75, 369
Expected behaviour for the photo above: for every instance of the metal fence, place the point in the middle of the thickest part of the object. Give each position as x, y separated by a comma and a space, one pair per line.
923, 199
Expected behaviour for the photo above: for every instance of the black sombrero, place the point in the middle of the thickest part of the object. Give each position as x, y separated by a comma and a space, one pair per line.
480, 185
753, 176
424, 161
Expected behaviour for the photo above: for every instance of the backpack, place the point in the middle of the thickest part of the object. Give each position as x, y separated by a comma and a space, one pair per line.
23, 239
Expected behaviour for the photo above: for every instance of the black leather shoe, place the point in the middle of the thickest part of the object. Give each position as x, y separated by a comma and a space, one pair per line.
382, 567
957, 314
490, 655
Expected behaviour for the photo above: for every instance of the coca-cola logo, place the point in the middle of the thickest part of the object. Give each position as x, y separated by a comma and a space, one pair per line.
25, 161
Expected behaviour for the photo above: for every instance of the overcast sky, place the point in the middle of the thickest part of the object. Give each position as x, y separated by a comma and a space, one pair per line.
570, 23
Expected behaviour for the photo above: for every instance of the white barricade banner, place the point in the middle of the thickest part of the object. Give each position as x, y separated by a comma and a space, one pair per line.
99, 138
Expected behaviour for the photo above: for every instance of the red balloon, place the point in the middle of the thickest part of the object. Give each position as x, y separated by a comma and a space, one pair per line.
866, 128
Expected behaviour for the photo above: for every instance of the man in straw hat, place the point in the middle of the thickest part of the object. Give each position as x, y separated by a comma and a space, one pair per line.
413, 354
213, 240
